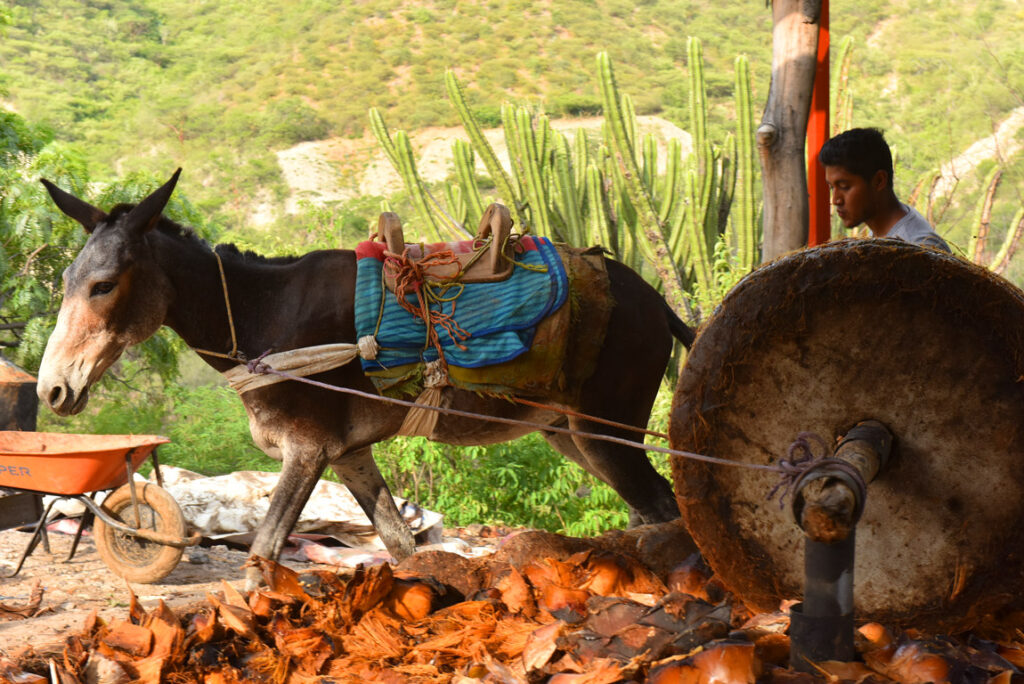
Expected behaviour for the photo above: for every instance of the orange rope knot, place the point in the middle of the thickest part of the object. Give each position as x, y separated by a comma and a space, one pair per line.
411, 279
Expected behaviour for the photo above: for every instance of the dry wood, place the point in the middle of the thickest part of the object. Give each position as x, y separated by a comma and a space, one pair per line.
279, 577
234, 597
31, 607
681, 638
912, 661
133, 639
541, 644
410, 600
365, 590
516, 594
238, 620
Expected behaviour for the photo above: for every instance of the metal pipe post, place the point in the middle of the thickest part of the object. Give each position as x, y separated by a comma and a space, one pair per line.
828, 501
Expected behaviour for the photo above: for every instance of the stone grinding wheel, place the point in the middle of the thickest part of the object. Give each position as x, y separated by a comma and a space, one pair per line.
931, 346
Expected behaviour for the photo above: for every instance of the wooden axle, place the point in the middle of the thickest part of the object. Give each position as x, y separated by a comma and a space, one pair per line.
827, 507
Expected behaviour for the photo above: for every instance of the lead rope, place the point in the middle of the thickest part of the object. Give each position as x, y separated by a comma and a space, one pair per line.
584, 416
257, 366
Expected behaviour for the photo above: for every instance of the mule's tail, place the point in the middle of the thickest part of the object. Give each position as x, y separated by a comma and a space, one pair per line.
679, 329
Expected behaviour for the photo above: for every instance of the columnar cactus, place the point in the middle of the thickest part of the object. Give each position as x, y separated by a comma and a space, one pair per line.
983, 217
620, 121
482, 147
465, 170
924, 198
399, 153
1010, 243
677, 227
981, 229
840, 97
746, 223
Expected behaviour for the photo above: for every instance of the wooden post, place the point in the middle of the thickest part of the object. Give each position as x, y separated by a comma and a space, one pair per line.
783, 130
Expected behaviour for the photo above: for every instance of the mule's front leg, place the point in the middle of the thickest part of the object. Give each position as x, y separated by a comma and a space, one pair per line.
360, 474
299, 474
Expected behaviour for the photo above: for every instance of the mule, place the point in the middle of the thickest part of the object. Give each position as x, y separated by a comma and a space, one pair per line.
139, 271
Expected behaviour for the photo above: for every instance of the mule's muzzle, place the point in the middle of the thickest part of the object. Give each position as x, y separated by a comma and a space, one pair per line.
62, 399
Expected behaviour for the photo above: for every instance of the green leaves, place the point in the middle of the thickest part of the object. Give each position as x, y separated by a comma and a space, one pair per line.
521, 483
181, 413
36, 240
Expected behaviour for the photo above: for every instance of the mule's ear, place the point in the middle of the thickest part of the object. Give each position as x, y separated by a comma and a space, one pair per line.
80, 210
147, 212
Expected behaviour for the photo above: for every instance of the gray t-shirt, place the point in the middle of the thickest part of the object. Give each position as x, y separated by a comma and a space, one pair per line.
915, 229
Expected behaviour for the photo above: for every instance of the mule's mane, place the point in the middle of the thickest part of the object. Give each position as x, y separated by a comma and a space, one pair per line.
227, 251
231, 252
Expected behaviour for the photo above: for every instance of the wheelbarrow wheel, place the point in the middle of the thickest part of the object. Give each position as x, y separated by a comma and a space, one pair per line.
136, 559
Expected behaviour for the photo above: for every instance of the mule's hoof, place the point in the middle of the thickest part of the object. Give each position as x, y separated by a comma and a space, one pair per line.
400, 543
400, 555
253, 579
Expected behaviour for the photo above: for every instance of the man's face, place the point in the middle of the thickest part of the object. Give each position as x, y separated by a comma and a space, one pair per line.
856, 200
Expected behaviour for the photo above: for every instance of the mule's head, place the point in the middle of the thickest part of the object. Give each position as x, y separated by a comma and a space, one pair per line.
115, 295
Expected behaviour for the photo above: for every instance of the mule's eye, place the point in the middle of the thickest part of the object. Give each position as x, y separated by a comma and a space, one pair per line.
101, 289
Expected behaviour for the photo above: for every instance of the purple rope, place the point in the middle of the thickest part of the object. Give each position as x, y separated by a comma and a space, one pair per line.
800, 457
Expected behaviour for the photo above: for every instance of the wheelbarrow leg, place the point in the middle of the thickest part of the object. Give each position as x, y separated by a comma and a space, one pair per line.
85, 521
44, 535
131, 487
45, 532
37, 534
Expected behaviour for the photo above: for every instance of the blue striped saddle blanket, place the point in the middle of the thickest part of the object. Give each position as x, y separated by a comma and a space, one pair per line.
499, 318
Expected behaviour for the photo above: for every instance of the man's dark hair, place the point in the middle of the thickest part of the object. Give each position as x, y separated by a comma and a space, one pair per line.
861, 151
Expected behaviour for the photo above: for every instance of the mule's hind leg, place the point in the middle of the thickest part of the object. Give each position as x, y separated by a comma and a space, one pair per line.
629, 472
360, 474
636, 347
564, 444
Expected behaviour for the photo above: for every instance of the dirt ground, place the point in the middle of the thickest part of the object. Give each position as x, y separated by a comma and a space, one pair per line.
72, 590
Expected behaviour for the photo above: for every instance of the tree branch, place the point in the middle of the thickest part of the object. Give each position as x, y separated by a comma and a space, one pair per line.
5, 295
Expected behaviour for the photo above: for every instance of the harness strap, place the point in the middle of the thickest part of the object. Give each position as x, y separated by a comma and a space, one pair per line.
233, 354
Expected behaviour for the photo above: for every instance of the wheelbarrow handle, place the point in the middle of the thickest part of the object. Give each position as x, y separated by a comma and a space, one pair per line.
148, 535
165, 539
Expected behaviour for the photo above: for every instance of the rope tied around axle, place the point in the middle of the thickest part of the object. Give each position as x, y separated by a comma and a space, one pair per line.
803, 464
799, 457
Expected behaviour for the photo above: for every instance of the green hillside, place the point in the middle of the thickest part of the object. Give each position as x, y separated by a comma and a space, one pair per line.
218, 86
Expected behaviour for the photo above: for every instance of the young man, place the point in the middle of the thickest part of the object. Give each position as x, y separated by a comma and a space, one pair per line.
858, 169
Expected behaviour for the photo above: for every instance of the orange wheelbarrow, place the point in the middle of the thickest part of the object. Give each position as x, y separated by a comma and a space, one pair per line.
139, 528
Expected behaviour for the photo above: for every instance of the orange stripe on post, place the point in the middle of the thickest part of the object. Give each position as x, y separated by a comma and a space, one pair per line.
817, 133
